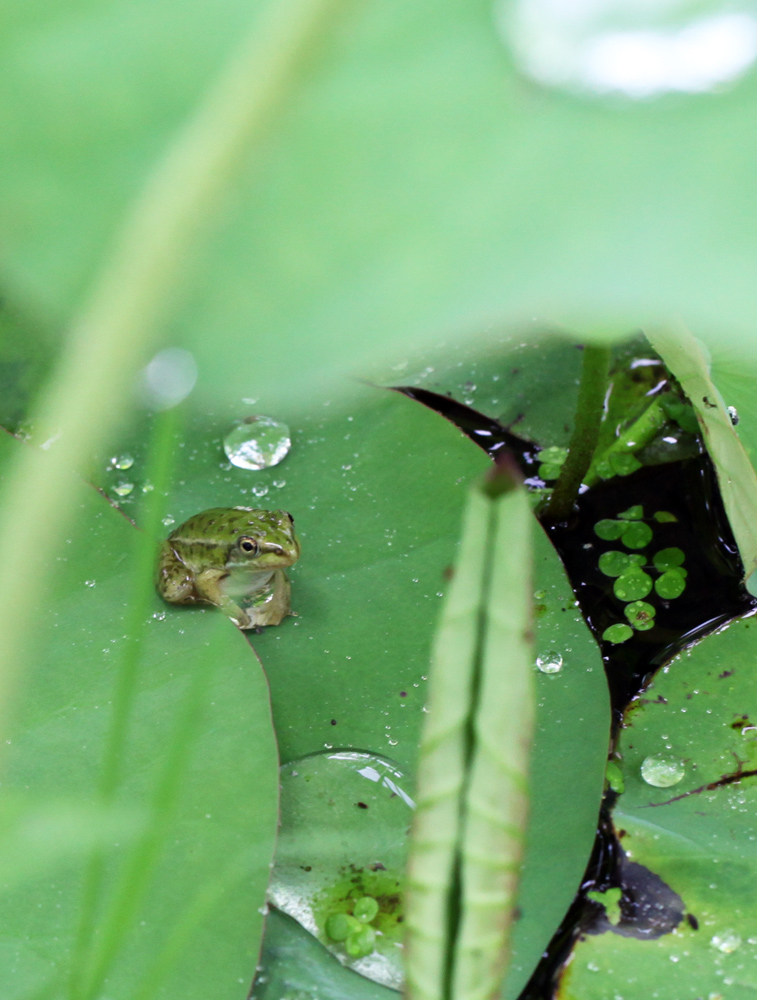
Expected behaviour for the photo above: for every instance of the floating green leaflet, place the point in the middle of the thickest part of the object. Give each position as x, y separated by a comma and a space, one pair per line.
671, 584
664, 517
668, 559
472, 799
613, 563
640, 615
632, 585
620, 632
609, 530
635, 513
637, 535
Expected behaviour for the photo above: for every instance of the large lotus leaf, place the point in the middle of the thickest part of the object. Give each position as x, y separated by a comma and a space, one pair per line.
175, 857
413, 186
377, 493
697, 835
504, 379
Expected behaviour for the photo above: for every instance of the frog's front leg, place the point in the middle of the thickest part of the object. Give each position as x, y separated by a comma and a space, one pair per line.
277, 604
208, 584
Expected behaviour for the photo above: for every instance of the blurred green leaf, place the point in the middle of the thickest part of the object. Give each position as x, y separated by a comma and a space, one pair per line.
415, 187
25, 357
184, 871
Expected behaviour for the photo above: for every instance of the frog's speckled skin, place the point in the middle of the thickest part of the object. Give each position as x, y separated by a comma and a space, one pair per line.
228, 553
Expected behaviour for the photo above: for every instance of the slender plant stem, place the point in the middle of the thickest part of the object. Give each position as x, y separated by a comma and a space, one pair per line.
583, 441
158, 470
633, 439
118, 325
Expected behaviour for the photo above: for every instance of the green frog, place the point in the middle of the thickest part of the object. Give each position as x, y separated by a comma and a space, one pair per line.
231, 556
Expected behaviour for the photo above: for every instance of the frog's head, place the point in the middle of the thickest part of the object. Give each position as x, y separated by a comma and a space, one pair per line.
267, 541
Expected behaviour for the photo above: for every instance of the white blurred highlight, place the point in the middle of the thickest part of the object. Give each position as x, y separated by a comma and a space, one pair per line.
628, 47
168, 378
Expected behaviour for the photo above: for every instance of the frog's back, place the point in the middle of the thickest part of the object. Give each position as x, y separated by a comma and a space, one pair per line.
210, 526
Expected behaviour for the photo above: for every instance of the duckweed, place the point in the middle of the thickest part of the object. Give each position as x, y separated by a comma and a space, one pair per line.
635, 513
671, 584
632, 585
617, 633
668, 559
614, 563
637, 535
609, 530
664, 517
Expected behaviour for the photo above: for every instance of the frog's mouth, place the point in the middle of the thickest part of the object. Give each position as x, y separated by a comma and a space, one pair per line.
275, 556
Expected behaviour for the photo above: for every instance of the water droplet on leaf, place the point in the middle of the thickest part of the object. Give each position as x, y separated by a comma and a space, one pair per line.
257, 443
662, 772
550, 662
726, 942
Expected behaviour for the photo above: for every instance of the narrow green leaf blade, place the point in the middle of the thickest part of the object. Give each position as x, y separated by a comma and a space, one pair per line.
471, 802
685, 358
496, 797
442, 764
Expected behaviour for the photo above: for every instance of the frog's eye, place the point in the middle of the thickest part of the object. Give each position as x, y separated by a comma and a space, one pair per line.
289, 516
249, 545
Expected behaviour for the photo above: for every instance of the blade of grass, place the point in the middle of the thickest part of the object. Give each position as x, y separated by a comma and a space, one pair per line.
159, 466
471, 801
117, 325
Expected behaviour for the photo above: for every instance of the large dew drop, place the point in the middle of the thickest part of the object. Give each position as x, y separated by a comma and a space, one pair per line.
549, 662
662, 772
257, 443
341, 854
